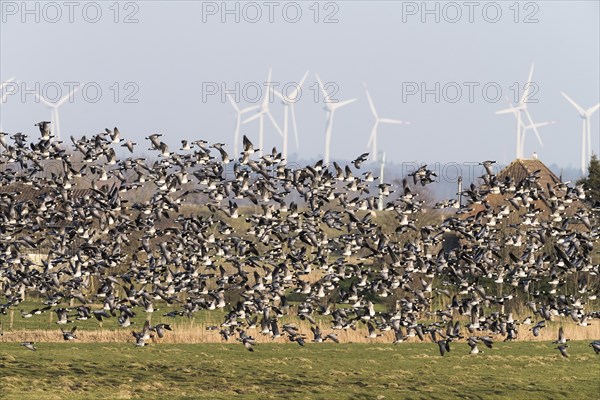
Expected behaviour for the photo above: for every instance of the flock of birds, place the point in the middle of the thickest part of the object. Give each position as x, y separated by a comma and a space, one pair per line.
313, 231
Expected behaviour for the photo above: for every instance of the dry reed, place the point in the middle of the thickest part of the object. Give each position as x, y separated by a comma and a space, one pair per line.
197, 333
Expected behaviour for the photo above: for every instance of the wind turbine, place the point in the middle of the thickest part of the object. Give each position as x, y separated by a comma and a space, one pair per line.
260, 115
331, 108
238, 121
373, 138
585, 115
288, 103
55, 106
521, 107
3, 97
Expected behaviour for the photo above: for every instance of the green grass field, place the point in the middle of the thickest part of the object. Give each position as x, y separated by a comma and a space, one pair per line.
519, 370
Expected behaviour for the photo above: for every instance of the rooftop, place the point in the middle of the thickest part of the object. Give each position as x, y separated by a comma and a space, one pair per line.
521, 169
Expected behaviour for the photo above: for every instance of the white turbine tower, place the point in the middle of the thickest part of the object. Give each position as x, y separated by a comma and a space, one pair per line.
55, 106
521, 107
3, 97
331, 108
587, 131
373, 138
288, 103
381, 171
239, 112
260, 115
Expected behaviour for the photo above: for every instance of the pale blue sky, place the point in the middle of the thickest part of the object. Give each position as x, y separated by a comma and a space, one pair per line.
170, 52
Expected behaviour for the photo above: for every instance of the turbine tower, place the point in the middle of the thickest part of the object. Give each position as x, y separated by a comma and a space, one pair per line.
260, 115
521, 107
331, 107
373, 138
586, 134
381, 170
55, 106
288, 103
238, 121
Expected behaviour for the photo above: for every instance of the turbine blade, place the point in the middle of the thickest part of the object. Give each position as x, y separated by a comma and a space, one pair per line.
325, 94
372, 135
294, 94
66, 97
248, 109
577, 106
534, 127
279, 94
592, 109
2, 84
43, 100
506, 111
542, 124
294, 126
370, 100
511, 109
274, 123
233, 104
255, 116
342, 103
527, 86
390, 121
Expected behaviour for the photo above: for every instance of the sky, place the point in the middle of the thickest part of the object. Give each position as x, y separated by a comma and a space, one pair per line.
445, 67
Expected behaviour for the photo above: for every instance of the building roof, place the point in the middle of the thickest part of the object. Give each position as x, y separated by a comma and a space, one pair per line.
31, 193
521, 169
520, 172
